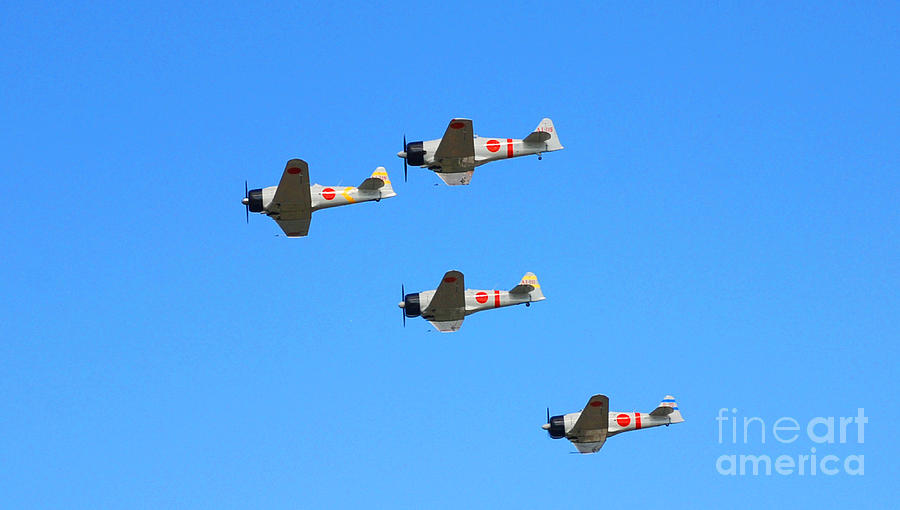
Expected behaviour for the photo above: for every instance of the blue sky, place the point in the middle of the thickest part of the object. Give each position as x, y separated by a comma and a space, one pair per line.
722, 226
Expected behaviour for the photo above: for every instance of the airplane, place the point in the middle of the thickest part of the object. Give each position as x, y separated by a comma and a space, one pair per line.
455, 156
588, 429
293, 201
447, 306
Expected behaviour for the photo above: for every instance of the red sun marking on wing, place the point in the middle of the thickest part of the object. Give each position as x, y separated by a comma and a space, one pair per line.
328, 193
449, 279
481, 297
597, 404
493, 145
294, 171
623, 419
456, 125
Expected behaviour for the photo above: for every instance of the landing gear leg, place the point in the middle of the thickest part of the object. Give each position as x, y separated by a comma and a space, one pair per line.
540, 157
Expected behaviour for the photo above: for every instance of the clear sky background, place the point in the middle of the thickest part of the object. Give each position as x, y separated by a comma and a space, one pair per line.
722, 225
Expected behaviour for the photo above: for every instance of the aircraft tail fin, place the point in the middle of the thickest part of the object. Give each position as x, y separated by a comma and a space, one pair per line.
544, 134
378, 181
529, 285
668, 407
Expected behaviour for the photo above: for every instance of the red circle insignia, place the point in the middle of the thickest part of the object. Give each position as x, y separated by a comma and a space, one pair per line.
623, 419
294, 171
328, 193
493, 145
481, 297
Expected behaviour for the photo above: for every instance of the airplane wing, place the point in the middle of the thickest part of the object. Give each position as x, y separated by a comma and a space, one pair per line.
593, 423
294, 185
294, 228
589, 447
457, 178
447, 326
292, 203
458, 141
449, 301
456, 153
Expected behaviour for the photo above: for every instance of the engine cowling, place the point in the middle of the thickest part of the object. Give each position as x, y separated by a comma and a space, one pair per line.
557, 428
411, 305
255, 200
415, 153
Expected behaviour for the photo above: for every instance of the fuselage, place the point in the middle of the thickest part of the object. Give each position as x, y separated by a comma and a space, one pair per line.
323, 197
486, 150
620, 422
477, 300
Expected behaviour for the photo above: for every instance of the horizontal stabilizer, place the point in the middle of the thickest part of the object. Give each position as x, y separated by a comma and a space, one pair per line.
544, 134
377, 180
662, 411
529, 285
668, 407
521, 289
536, 137
372, 183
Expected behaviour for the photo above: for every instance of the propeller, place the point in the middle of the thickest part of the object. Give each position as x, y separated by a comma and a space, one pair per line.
405, 165
547, 425
247, 201
402, 303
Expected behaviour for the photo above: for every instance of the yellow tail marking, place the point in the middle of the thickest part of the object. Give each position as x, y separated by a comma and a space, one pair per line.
530, 279
383, 176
